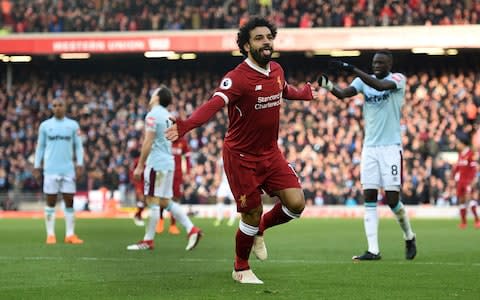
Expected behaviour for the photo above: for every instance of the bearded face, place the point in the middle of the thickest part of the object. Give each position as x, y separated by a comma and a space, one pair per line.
260, 45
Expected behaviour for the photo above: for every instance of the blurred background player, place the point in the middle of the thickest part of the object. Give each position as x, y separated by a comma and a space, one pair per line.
58, 137
464, 174
156, 156
224, 194
138, 189
381, 162
181, 154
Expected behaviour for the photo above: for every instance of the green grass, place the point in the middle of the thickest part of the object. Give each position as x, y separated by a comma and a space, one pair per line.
308, 259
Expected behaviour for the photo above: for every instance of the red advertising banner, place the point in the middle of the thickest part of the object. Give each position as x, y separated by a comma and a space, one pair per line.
358, 38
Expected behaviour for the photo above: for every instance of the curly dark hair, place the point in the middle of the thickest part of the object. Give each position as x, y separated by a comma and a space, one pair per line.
243, 35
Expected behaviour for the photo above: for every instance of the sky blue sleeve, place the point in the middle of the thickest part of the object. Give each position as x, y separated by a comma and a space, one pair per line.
40, 151
357, 83
78, 146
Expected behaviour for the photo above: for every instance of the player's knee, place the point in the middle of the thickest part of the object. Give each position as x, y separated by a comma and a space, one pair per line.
296, 204
253, 216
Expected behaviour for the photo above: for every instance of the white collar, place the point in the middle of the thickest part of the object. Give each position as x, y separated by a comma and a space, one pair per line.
252, 65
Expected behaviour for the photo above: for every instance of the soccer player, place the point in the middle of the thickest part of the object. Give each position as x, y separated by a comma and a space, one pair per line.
381, 162
181, 154
223, 193
253, 93
58, 137
138, 188
156, 156
464, 174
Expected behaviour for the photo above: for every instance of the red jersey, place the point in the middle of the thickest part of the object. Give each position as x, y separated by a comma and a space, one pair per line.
253, 96
466, 168
180, 149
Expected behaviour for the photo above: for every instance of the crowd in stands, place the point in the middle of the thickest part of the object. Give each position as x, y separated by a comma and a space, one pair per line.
322, 138
132, 15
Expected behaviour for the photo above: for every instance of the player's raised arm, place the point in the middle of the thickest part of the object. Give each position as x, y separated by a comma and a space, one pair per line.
200, 116
308, 92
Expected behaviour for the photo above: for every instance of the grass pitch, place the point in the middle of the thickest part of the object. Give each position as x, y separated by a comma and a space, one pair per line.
308, 259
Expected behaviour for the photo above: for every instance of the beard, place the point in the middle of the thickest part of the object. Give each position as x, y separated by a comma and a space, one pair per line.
260, 58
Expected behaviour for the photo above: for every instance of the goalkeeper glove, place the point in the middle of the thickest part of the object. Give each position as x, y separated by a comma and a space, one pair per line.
324, 82
340, 65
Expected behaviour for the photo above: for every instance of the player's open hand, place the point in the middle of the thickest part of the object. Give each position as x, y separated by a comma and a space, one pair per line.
172, 132
324, 82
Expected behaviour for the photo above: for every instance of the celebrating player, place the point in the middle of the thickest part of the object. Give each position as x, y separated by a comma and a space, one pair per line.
253, 93
57, 138
381, 163
158, 172
464, 174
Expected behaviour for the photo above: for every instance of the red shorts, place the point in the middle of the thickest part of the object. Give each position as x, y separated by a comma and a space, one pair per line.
463, 188
177, 186
247, 179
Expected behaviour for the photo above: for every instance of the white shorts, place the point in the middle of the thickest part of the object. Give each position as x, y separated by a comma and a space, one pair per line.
381, 167
54, 184
224, 190
158, 183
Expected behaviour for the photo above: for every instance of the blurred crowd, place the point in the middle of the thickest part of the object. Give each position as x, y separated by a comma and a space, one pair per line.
322, 139
132, 15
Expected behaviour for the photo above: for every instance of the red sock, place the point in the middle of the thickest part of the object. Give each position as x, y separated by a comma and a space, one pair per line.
172, 221
243, 247
274, 217
161, 213
463, 214
474, 211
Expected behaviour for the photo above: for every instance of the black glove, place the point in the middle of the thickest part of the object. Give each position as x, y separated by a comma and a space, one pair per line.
340, 65
324, 82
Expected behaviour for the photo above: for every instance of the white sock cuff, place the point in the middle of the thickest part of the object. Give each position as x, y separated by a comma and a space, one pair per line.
49, 210
398, 207
247, 229
289, 213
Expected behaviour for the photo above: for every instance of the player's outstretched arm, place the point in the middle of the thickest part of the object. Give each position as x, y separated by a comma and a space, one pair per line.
378, 84
200, 116
340, 93
308, 92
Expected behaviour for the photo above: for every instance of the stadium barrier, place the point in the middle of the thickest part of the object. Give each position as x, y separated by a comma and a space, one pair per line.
102, 206
290, 39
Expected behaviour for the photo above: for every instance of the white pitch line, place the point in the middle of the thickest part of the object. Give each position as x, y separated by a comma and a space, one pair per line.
276, 261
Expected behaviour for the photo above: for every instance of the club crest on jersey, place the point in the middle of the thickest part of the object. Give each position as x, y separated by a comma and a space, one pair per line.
258, 87
279, 83
243, 200
226, 84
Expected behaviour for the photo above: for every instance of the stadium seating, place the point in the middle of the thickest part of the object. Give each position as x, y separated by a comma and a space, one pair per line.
119, 15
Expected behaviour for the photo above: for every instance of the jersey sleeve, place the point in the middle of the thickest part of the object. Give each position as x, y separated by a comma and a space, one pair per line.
39, 152
399, 80
230, 88
358, 84
150, 122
